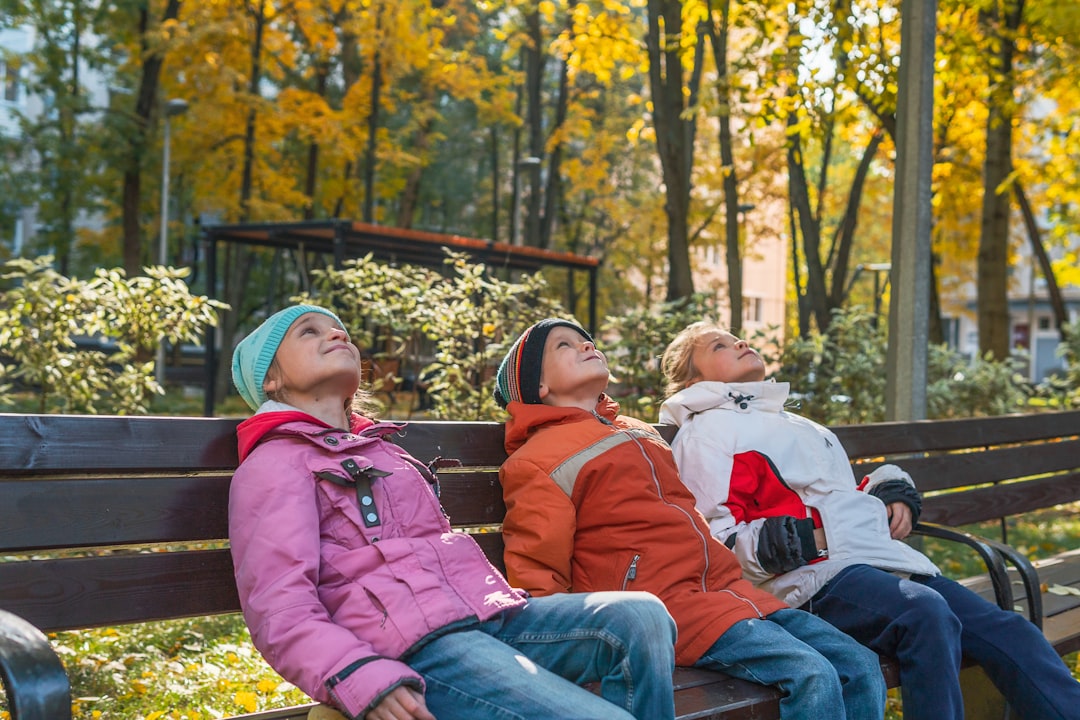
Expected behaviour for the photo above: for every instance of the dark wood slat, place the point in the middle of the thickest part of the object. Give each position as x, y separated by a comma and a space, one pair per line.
473, 443
889, 438
472, 498
1062, 631
492, 545
971, 506
112, 590
954, 470
91, 443
76, 513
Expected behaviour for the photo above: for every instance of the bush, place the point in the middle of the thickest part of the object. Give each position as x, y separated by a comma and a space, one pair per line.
839, 378
42, 313
468, 319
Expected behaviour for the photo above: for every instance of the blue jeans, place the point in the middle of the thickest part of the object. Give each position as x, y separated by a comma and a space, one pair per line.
822, 672
529, 663
928, 622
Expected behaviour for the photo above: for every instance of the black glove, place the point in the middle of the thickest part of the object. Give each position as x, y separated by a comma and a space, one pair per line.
786, 543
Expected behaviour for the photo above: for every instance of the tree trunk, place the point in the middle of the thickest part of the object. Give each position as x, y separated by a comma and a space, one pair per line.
145, 97
311, 172
673, 137
1057, 302
259, 15
732, 226
370, 158
992, 266
534, 75
553, 190
410, 194
816, 296
846, 233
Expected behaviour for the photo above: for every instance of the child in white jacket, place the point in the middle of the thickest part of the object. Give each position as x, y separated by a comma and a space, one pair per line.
779, 490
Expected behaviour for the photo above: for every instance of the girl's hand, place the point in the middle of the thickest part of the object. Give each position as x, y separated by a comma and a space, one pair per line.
403, 703
899, 520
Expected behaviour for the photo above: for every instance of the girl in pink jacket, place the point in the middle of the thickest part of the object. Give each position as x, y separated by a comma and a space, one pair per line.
356, 589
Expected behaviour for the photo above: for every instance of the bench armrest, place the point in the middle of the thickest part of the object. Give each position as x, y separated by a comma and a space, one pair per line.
994, 554
36, 683
990, 555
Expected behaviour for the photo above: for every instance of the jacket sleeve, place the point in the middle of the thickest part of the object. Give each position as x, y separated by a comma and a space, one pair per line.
890, 484
274, 536
538, 530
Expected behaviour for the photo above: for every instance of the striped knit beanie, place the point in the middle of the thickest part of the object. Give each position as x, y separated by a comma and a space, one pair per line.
252, 357
519, 373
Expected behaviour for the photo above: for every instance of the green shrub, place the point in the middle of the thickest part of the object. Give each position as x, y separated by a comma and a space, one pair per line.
43, 312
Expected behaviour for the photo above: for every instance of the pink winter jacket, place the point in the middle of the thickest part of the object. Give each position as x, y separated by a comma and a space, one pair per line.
333, 604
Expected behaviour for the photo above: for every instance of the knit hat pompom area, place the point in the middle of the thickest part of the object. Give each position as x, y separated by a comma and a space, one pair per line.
519, 372
252, 357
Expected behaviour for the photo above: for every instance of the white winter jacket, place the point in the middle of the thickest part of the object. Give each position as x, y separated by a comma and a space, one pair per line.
746, 460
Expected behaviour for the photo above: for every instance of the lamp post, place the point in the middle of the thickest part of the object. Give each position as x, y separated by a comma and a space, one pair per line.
173, 107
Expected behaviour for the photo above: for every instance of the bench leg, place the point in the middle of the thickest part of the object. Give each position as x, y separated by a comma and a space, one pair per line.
982, 700
37, 685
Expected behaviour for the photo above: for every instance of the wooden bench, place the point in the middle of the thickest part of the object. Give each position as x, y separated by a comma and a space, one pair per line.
127, 484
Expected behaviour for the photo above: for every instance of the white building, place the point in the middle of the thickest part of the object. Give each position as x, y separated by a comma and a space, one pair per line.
15, 101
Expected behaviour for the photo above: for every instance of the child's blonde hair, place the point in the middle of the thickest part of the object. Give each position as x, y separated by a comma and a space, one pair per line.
677, 362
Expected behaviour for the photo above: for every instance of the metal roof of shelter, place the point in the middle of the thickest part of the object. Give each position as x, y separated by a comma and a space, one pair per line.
348, 240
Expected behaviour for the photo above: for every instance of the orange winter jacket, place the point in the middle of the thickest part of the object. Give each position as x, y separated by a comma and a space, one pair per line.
594, 502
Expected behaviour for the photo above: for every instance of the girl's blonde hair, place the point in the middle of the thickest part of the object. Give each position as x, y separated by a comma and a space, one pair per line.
677, 362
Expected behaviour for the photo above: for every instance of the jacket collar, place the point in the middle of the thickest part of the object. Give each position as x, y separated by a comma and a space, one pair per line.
526, 419
764, 396
274, 415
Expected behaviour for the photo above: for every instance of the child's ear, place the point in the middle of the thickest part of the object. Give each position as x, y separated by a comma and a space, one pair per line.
543, 392
272, 383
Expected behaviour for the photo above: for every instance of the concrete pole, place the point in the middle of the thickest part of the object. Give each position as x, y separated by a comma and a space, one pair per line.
909, 305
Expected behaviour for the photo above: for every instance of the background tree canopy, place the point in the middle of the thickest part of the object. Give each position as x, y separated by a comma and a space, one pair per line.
631, 131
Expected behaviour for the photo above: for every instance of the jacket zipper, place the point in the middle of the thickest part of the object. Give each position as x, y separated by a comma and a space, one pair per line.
631, 572
705, 540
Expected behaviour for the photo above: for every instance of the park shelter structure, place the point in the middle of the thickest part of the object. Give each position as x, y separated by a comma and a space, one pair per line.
335, 241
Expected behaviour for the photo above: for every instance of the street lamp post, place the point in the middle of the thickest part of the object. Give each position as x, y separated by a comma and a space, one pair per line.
173, 107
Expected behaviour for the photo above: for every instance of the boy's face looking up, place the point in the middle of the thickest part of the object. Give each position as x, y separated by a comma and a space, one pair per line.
721, 357
572, 371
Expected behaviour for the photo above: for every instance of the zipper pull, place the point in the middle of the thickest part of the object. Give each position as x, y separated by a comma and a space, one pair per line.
631, 572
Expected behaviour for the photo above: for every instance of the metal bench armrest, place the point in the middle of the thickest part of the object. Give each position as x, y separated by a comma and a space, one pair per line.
36, 683
991, 557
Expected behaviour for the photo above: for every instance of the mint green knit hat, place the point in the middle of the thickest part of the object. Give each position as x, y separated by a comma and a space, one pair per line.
253, 355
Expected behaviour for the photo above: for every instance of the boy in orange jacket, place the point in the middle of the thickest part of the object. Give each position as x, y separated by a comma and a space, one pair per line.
594, 502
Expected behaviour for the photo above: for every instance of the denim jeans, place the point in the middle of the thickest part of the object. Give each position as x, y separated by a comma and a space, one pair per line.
529, 663
822, 672
928, 622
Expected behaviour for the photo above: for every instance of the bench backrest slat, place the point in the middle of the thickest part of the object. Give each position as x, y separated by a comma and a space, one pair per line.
889, 438
1007, 498
956, 470
42, 444
80, 512
69, 593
